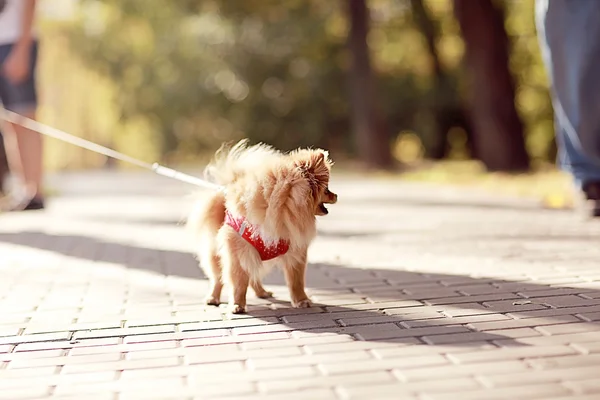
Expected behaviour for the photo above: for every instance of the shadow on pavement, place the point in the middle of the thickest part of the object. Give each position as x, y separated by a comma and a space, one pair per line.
166, 262
371, 304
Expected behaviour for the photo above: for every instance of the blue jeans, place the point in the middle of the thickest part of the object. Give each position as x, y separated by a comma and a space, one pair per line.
569, 35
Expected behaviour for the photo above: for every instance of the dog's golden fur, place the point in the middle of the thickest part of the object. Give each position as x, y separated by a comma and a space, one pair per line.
280, 194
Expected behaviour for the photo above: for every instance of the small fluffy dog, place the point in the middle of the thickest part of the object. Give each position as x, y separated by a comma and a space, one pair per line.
265, 216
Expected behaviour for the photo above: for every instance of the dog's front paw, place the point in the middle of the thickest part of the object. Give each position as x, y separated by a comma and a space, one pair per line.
237, 309
212, 301
306, 303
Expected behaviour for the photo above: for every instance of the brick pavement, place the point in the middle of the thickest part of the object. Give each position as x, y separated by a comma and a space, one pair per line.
422, 293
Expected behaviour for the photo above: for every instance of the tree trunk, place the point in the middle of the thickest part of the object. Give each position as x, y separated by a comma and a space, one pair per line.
371, 140
438, 148
500, 142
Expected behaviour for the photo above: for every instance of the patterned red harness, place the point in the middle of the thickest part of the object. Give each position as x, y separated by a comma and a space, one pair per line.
246, 231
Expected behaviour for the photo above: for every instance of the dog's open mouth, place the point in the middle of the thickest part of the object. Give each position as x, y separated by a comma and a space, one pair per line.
323, 208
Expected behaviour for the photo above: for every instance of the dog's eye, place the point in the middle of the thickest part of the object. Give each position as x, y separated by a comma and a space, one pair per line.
327, 191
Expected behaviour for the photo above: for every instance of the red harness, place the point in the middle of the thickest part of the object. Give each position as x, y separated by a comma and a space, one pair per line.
247, 230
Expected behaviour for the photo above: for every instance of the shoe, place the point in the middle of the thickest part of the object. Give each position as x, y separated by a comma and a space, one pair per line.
35, 204
591, 199
27, 203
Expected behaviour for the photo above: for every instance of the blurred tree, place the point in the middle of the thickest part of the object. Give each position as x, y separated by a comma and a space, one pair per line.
190, 74
448, 112
499, 139
533, 97
203, 72
372, 142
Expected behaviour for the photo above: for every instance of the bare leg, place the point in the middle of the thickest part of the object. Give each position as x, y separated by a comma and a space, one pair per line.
25, 159
30, 149
13, 155
294, 276
260, 291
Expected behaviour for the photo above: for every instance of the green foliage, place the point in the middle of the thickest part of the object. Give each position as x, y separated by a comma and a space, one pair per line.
532, 99
206, 71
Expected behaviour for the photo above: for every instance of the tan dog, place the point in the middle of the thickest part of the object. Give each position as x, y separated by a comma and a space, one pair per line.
266, 216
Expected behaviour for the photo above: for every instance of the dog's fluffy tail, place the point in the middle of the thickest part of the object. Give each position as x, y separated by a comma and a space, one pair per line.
230, 161
207, 216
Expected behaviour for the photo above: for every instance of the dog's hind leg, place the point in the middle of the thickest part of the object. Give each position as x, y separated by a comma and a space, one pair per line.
212, 266
239, 279
260, 291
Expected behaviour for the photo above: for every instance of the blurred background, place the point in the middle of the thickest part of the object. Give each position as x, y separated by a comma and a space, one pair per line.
438, 89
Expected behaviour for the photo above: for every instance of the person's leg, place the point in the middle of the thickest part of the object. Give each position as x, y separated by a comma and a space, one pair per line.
569, 35
24, 147
30, 149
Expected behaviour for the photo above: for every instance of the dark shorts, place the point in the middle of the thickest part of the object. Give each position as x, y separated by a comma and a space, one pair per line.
23, 96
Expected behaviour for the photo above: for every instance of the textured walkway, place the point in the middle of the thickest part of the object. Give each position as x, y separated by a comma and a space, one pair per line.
422, 293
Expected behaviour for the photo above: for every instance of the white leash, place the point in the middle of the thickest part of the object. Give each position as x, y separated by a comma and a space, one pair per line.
46, 130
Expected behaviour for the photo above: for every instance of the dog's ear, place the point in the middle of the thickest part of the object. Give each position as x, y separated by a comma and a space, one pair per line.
313, 161
314, 166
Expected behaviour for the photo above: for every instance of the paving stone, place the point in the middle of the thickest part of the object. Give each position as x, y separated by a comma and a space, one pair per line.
199, 380
579, 386
552, 292
474, 299
217, 340
118, 332
63, 360
386, 365
470, 319
183, 336
590, 317
155, 385
378, 306
477, 336
586, 348
42, 337
324, 340
393, 350
565, 361
224, 368
346, 380
568, 328
246, 322
313, 394
555, 312
28, 372
124, 348
517, 392
355, 357
568, 301
452, 300
61, 344
24, 393
583, 337
455, 387
32, 355
521, 323
535, 376
498, 368
120, 365
503, 306
384, 331
515, 353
